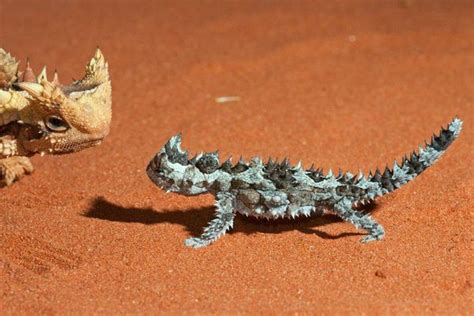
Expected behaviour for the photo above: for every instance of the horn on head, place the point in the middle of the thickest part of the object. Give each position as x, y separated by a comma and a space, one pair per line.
8, 69
95, 91
97, 71
45, 92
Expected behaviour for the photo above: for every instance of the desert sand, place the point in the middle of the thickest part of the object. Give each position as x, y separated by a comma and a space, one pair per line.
343, 84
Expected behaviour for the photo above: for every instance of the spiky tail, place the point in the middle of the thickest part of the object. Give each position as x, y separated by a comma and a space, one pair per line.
392, 179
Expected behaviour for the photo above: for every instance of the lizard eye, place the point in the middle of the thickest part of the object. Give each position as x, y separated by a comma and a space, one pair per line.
56, 124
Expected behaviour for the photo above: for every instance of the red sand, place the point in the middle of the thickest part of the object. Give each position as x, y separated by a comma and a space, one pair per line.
342, 84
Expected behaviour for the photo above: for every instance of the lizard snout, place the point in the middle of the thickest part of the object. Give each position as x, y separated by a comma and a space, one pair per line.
155, 163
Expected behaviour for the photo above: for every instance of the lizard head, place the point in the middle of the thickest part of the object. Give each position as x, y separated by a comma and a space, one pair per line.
66, 118
172, 171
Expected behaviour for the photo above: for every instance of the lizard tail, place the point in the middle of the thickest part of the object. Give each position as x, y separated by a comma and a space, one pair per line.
416, 163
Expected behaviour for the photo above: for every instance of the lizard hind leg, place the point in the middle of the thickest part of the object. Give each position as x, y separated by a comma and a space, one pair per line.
13, 169
344, 209
216, 228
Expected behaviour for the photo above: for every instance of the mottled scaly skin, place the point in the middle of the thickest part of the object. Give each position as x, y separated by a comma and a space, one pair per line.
47, 117
274, 190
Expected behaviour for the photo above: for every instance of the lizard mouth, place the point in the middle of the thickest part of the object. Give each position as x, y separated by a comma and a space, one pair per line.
155, 163
32, 132
153, 168
70, 147
37, 139
156, 175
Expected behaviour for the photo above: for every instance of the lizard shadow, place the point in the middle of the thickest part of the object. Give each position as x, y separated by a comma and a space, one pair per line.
195, 219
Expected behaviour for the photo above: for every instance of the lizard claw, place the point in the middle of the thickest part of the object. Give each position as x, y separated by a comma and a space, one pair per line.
367, 239
196, 242
13, 169
370, 238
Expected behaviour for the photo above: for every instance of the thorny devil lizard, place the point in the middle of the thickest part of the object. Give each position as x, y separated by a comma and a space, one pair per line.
273, 190
47, 117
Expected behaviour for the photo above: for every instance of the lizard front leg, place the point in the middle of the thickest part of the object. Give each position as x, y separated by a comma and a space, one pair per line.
13, 168
218, 226
344, 209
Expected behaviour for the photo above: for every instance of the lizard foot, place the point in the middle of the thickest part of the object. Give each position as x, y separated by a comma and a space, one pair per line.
376, 233
223, 221
360, 220
196, 242
14, 168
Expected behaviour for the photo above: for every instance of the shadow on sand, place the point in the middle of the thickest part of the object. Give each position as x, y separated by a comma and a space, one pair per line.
194, 219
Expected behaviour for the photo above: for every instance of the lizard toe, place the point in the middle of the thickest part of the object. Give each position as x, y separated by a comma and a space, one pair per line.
13, 169
196, 243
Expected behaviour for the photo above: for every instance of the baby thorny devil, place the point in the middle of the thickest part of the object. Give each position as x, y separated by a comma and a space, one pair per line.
47, 117
274, 190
